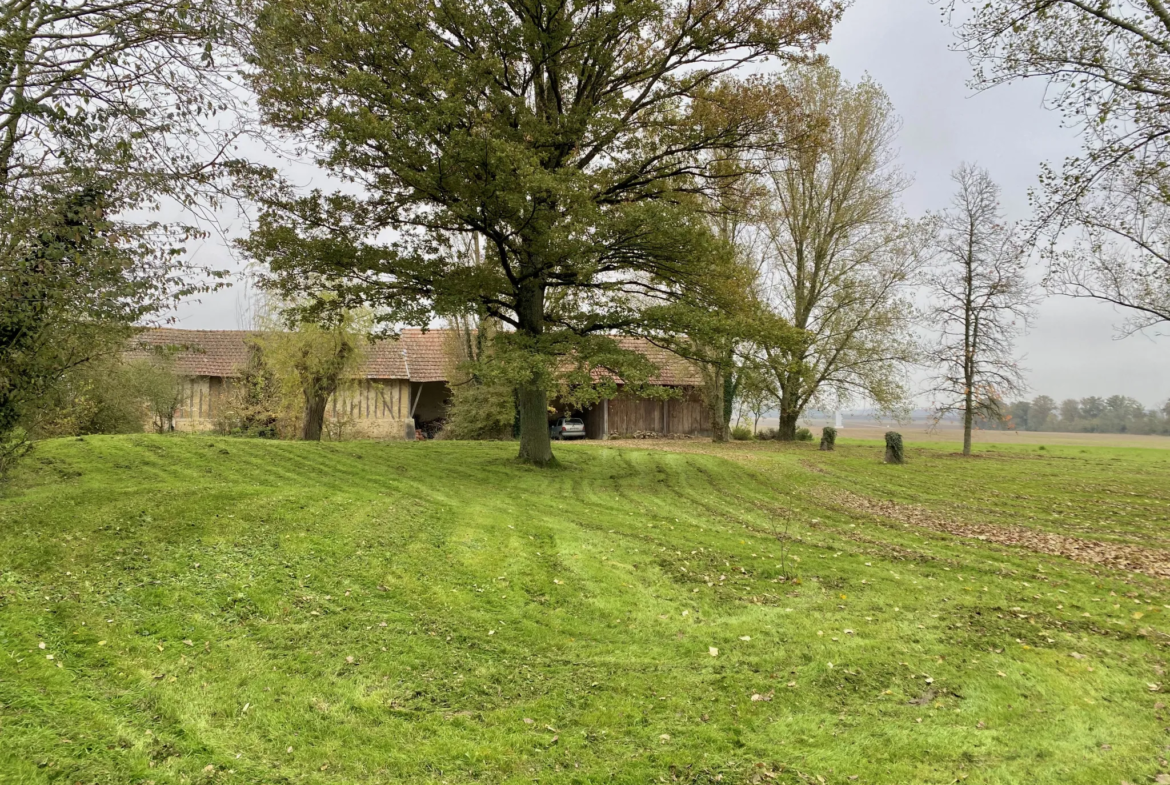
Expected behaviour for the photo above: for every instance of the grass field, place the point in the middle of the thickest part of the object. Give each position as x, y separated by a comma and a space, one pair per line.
201, 610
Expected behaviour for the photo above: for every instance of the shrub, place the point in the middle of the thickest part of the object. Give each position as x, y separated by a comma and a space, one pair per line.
804, 435
741, 433
828, 438
480, 411
101, 396
766, 434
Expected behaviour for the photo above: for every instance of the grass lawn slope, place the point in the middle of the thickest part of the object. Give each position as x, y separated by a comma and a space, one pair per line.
202, 610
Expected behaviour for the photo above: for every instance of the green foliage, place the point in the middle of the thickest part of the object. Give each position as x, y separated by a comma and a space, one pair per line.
256, 405
70, 292
480, 411
742, 433
1115, 414
157, 387
803, 435
306, 362
483, 403
573, 139
105, 109
304, 550
104, 395
766, 434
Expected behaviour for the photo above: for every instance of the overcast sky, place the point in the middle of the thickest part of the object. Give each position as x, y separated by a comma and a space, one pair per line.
1071, 350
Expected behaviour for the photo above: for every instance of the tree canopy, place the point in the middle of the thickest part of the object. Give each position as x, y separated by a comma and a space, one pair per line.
573, 137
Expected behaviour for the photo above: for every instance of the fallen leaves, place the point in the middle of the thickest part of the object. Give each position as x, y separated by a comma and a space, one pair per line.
1131, 558
714, 652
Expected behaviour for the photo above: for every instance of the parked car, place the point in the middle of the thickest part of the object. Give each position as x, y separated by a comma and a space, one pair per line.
568, 428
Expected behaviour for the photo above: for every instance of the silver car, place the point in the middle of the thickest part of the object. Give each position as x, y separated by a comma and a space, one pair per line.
567, 428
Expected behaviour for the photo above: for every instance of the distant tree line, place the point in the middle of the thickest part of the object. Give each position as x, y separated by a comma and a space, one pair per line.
1115, 414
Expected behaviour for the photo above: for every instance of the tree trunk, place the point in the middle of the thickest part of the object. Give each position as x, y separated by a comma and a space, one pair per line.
715, 405
968, 416
787, 430
719, 430
729, 385
314, 421
790, 408
535, 444
531, 394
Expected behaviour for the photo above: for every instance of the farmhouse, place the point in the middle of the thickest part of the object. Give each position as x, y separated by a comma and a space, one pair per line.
404, 385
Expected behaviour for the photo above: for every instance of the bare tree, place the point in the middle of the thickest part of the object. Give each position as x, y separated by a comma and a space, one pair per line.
1120, 253
982, 300
839, 254
1108, 68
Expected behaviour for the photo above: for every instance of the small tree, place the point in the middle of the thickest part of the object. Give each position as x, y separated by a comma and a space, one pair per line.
254, 405
312, 360
982, 299
159, 388
755, 393
482, 406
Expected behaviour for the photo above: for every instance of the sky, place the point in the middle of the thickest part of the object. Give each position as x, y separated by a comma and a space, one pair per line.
1071, 349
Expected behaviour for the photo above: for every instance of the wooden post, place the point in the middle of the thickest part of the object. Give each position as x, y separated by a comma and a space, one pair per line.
605, 418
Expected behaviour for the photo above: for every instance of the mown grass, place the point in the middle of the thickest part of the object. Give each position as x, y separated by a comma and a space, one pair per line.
242, 611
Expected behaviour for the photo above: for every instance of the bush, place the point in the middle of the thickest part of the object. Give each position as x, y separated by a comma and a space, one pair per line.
741, 433
766, 434
101, 396
804, 435
480, 411
254, 405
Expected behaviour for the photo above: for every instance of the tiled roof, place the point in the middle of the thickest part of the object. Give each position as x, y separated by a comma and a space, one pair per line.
384, 360
416, 355
673, 371
198, 352
424, 354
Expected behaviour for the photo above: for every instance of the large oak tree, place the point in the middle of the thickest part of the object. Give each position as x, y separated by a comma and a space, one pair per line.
574, 137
